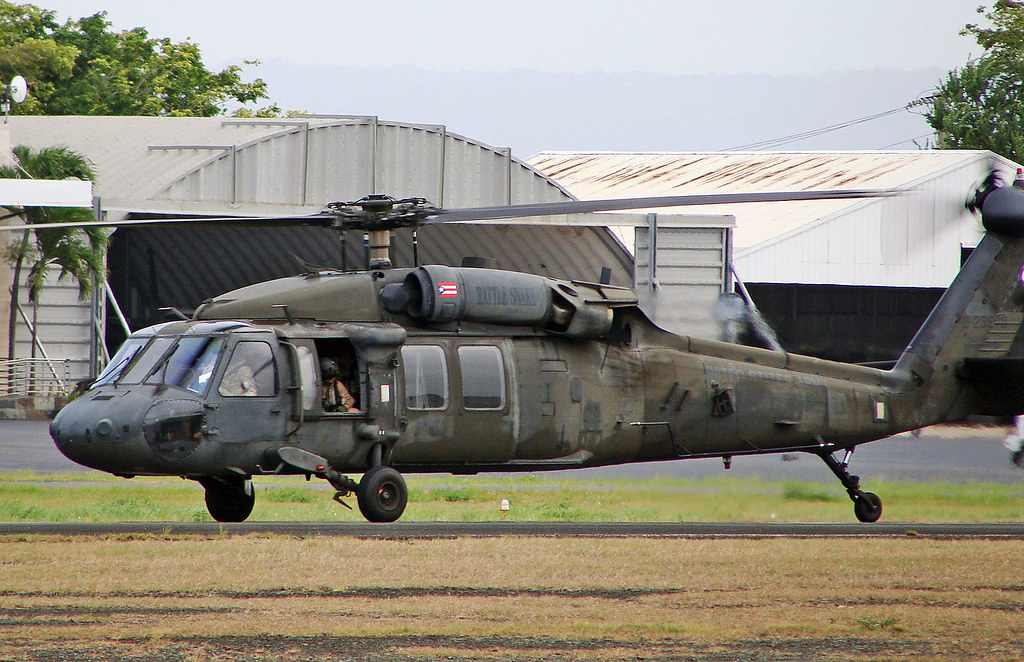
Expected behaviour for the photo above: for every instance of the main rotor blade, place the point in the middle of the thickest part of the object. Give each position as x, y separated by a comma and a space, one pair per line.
323, 220
368, 220
619, 204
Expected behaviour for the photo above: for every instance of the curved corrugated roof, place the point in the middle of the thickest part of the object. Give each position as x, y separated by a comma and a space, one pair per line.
276, 166
221, 166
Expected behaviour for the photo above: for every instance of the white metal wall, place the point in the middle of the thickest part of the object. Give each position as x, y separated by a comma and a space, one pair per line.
908, 240
63, 324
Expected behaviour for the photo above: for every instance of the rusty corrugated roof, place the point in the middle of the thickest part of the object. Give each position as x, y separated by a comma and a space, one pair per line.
597, 175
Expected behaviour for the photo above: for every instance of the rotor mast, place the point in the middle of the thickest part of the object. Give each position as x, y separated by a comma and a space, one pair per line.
378, 216
380, 249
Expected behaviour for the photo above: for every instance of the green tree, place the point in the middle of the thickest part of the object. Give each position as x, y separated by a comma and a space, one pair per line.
83, 67
80, 254
981, 105
27, 48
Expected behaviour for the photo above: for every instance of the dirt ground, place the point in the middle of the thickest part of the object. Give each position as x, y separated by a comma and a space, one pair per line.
277, 599
423, 648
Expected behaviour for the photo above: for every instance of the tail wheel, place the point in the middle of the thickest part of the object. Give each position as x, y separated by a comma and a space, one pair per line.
867, 507
382, 494
229, 500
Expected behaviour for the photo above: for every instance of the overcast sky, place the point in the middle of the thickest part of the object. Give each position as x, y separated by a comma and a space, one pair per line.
658, 36
539, 75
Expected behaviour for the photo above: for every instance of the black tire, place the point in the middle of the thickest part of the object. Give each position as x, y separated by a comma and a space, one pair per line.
867, 507
382, 495
229, 500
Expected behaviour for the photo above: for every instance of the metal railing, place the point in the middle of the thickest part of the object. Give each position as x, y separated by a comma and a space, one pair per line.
46, 377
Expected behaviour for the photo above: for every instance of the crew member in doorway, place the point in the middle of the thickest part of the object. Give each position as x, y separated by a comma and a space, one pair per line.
336, 396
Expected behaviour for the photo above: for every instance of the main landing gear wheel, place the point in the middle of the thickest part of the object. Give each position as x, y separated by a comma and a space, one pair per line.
229, 500
867, 507
382, 494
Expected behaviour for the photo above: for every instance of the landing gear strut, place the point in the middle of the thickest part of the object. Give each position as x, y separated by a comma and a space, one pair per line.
382, 494
229, 499
866, 506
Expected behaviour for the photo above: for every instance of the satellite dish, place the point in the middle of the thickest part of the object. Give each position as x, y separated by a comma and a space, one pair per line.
18, 89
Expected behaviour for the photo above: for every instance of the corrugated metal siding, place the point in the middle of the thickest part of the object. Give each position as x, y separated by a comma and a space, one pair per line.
324, 160
911, 240
293, 165
62, 323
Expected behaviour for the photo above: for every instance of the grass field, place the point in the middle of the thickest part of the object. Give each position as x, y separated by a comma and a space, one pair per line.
96, 497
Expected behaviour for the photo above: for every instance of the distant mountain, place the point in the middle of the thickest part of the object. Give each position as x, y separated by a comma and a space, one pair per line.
532, 111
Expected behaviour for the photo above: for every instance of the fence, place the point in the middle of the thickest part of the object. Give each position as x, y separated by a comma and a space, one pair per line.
45, 377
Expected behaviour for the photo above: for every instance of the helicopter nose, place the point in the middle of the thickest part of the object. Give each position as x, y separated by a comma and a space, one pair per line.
93, 435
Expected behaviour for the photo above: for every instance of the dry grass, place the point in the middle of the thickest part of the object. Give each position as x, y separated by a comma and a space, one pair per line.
279, 598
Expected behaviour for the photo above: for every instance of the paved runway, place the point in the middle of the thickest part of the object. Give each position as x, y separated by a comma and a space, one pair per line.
940, 454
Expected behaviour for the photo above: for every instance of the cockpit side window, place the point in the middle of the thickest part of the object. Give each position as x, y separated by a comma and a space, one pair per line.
307, 374
251, 372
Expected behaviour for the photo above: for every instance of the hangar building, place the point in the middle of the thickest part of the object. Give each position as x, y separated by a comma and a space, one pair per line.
844, 279
816, 269
150, 167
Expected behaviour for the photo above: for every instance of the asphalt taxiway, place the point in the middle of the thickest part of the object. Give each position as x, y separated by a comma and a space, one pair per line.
435, 530
940, 454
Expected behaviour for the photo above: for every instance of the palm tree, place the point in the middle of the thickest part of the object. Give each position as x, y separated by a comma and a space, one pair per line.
79, 253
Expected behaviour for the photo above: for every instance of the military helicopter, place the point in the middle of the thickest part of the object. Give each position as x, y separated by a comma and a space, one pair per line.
468, 369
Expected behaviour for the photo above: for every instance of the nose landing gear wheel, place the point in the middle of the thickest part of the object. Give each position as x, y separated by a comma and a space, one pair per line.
382, 494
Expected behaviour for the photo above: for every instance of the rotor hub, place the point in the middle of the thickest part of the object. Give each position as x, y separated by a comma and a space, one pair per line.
380, 212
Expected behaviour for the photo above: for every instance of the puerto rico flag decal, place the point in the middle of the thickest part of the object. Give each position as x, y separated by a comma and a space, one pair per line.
447, 290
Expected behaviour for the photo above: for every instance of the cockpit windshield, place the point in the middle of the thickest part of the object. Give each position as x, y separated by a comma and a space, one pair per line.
190, 365
120, 361
146, 360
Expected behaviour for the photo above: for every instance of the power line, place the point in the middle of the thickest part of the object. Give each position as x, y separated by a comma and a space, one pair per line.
796, 137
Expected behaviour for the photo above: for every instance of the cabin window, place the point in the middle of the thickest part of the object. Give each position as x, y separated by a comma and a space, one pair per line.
251, 372
483, 377
426, 377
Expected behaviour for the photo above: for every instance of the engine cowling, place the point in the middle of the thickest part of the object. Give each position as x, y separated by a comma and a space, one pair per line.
440, 294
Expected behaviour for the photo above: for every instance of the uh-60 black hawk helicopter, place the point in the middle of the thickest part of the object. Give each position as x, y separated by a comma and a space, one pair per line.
468, 370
